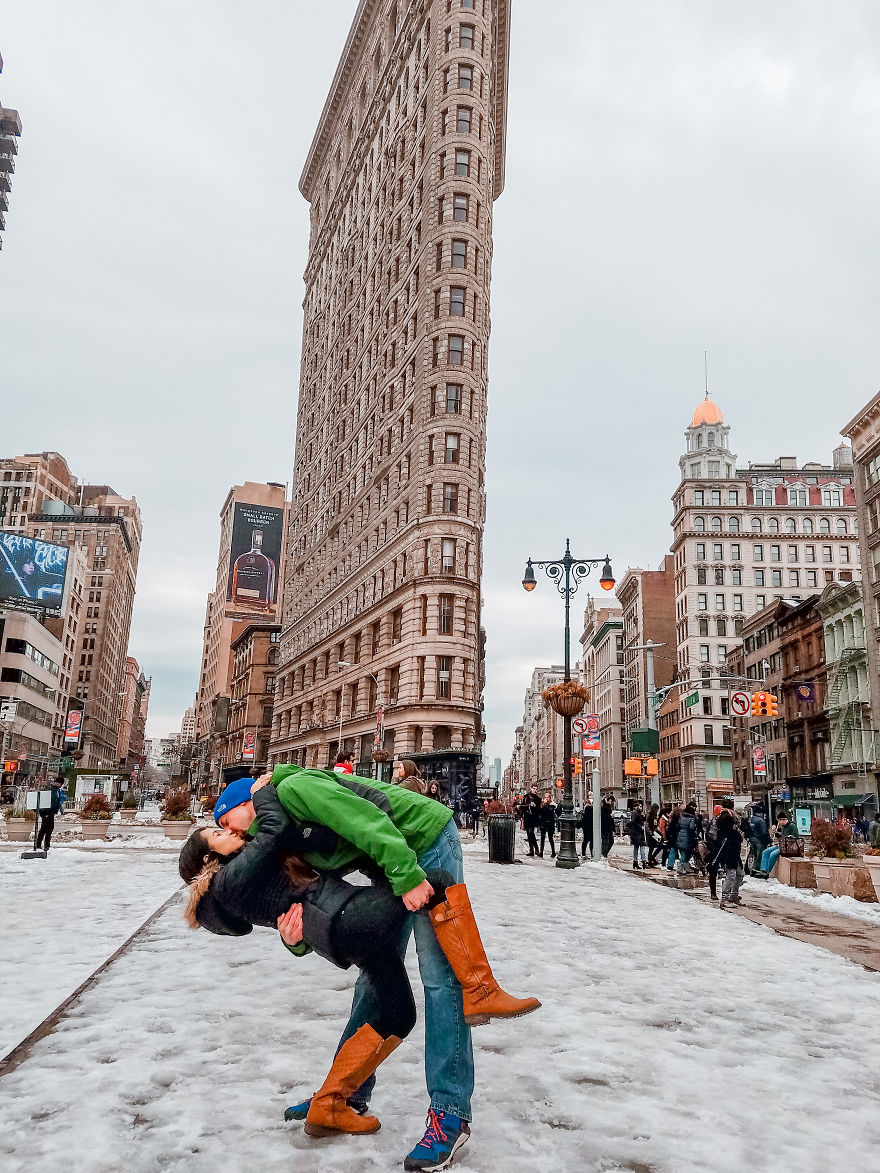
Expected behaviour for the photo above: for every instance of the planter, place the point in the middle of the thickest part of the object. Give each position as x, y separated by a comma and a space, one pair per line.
177, 828
380, 755
19, 830
871, 864
796, 873
126, 815
568, 699
844, 877
95, 828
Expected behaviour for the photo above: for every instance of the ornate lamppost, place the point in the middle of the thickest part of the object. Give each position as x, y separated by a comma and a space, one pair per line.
566, 573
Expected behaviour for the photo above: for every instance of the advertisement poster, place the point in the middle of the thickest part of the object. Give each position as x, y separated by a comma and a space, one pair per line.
759, 761
31, 571
73, 727
804, 821
257, 537
248, 745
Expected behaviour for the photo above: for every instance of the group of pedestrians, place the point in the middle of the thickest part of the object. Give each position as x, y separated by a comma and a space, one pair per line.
539, 813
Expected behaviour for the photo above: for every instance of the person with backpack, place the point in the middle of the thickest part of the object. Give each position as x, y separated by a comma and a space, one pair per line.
47, 818
547, 823
606, 825
712, 865
728, 854
655, 839
586, 825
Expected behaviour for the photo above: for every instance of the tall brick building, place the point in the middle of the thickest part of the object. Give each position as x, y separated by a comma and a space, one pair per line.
382, 594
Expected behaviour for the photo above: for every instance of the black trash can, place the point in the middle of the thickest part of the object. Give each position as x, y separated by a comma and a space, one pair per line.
502, 838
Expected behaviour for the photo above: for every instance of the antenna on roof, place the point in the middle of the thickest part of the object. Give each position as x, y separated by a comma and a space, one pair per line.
706, 371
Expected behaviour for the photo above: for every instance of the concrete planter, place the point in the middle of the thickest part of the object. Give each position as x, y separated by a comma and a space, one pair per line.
19, 830
871, 863
844, 877
95, 828
126, 815
822, 872
796, 872
177, 828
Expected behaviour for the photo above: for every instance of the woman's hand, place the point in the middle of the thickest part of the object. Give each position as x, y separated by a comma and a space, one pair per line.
290, 925
263, 780
418, 897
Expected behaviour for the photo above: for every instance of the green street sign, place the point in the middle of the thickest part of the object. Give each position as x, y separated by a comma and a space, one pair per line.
690, 701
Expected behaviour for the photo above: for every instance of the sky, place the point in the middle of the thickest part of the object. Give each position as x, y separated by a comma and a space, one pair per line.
682, 177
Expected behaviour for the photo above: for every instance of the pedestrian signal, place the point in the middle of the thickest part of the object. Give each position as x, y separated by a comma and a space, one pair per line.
632, 767
760, 704
652, 767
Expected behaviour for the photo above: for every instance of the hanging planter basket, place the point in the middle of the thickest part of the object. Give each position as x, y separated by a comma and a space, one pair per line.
380, 755
568, 699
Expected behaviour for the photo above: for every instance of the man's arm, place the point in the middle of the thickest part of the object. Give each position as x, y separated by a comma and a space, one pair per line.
315, 799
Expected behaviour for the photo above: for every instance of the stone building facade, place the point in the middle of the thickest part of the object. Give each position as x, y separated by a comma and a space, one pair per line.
382, 596
602, 656
743, 537
647, 600
541, 752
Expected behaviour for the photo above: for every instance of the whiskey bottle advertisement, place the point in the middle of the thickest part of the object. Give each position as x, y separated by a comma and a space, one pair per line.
257, 533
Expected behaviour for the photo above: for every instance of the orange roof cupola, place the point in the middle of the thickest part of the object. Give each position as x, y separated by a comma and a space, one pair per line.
707, 413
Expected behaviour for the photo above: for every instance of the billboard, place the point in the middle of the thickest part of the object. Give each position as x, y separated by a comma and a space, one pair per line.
31, 571
248, 746
254, 559
73, 727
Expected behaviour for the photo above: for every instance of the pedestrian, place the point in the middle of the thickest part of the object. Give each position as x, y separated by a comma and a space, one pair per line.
385, 827
547, 823
532, 818
234, 886
344, 762
636, 829
759, 839
712, 865
407, 774
674, 818
652, 831
782, 830
728, 854
47, 817
685, 838
586, 825
476, 811
874, 831
436, 793
606, 825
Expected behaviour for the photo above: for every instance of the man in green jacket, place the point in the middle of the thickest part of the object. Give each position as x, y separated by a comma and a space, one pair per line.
401, 833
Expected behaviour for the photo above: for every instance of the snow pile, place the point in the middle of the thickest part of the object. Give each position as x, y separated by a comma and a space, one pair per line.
61, 918
842, 904
674, 1038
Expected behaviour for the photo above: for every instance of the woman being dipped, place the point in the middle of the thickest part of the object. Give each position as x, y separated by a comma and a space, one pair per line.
236, 885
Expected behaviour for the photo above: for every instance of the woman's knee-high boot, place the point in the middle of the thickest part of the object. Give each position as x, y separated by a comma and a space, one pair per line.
355, 1061
459, 938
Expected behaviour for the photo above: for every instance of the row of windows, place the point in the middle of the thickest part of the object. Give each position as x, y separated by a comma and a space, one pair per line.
775, 554
716, 524
22, 648
831, 497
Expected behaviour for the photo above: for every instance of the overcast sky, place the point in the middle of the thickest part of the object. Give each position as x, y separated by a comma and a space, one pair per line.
681, 175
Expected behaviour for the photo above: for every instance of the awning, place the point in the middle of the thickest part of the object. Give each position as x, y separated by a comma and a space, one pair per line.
854, 799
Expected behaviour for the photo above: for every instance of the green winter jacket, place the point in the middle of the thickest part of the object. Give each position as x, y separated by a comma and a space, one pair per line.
374, 820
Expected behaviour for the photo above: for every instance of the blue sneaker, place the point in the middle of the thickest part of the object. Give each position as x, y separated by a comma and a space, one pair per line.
300, 1111
444, 1135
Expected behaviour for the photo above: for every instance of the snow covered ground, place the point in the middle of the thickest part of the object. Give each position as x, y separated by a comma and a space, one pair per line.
61, 917
674, 1038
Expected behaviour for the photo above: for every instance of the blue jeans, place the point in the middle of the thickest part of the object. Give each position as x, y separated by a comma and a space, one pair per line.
449, 1056
769, 858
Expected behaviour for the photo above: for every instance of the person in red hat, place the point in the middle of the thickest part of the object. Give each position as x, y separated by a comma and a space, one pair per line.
712, 865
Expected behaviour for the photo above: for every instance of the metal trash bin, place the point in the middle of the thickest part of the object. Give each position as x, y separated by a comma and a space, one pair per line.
502, 838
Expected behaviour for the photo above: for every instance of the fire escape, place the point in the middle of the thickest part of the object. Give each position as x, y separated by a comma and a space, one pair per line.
849, 718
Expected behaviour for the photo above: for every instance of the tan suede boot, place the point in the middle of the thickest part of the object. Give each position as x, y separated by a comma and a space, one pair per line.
459, 939
357, 1059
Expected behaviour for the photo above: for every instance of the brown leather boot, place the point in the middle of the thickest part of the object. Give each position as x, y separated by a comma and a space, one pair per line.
357, 1059
459, 939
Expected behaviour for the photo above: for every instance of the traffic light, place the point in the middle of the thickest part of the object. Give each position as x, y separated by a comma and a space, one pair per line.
578, 765
760, 704
773, 706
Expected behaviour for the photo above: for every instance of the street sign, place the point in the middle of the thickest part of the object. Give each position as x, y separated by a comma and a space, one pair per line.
8, 709
691, 699
759, 761
579, 725
740, 703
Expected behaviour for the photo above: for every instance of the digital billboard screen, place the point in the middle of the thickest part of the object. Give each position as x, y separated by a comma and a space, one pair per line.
31, 571
257, 537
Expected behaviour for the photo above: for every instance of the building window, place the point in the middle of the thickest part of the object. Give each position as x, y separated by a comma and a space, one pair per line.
463, 164
465, 77
707, 706
797, 497
733, 497
701, 576
459, 254
699, 524
719, 603
736, 577
737, 602
445, 614
704, 653
719, 576
701, 551
794, 578
792, 553
760, 602
702, 602
702, 626
708, 735
451, 448
714, 470
448, 556
716, 524
699, 497
812, 578
824, 525
716, 496
844, 553
759, 578
776, 578
450, 498
841, 526
456, 350
456, 301
718, 551
733, 525
764, 497
721, 627
831, 498
758, 553
827, 555
460, 207
809, 553
808, 525
775, 554
453, 398
397, 625
773, 525
444, 669
463, 120
756, 525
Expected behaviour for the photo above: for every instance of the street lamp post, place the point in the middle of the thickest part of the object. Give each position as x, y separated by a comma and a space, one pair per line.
566, 573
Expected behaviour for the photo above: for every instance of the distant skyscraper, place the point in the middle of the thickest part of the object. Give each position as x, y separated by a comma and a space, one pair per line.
381, 622
10, 130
